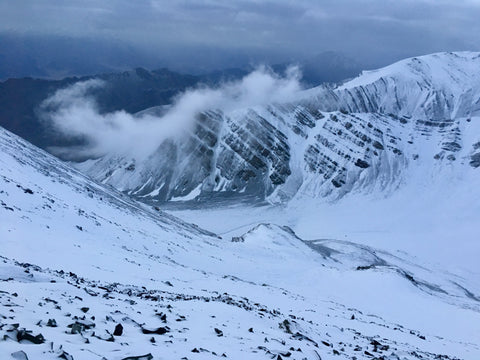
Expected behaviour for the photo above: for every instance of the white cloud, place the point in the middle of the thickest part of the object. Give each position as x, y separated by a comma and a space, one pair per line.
74, 112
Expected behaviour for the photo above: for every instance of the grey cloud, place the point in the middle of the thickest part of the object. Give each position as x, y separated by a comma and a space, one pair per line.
371, 30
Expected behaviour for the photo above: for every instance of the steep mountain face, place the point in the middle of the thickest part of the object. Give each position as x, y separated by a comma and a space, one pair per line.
416, 119
87, 272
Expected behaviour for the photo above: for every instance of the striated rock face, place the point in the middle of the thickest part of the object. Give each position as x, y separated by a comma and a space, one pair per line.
418, 116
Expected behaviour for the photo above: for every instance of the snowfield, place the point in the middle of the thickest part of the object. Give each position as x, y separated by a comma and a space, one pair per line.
345, 261
78, 259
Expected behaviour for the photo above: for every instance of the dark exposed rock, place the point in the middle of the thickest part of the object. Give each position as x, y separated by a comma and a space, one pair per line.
375, 343
300, 336
162, 317
218, 332
81, 325
23, 335
361, 164
377, 145
76, 329
475, 160
336, 183
285, 325
85, 309
451, 146
52, 323
118, 330
141, 357
65, 355
159, 331
367, 267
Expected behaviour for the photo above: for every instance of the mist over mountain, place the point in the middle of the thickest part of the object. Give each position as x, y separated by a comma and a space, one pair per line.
132, 90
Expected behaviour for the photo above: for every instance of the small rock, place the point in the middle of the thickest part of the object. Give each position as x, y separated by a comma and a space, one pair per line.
361, 164
218, 332
160, 331
118, 330
24, 335
141, 357
163, 317
65, 355
82, 324
85, 309
76, 328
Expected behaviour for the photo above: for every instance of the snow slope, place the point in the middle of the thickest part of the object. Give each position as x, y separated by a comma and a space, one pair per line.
68, 244
370, 135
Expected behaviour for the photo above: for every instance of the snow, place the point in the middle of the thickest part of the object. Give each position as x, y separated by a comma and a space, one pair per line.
190, 196
395, 260
125, 254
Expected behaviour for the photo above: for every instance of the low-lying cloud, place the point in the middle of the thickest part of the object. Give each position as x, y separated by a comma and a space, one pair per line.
74, 112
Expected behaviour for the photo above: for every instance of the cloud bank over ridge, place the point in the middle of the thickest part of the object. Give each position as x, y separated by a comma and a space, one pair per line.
73, 112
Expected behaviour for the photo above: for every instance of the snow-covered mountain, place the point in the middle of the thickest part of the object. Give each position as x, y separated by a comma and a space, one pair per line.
87, 273
414, 120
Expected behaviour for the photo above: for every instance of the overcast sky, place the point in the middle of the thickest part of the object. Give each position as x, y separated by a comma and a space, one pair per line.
375, 31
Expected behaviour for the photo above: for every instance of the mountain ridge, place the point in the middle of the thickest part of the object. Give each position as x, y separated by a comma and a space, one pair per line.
362, 135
